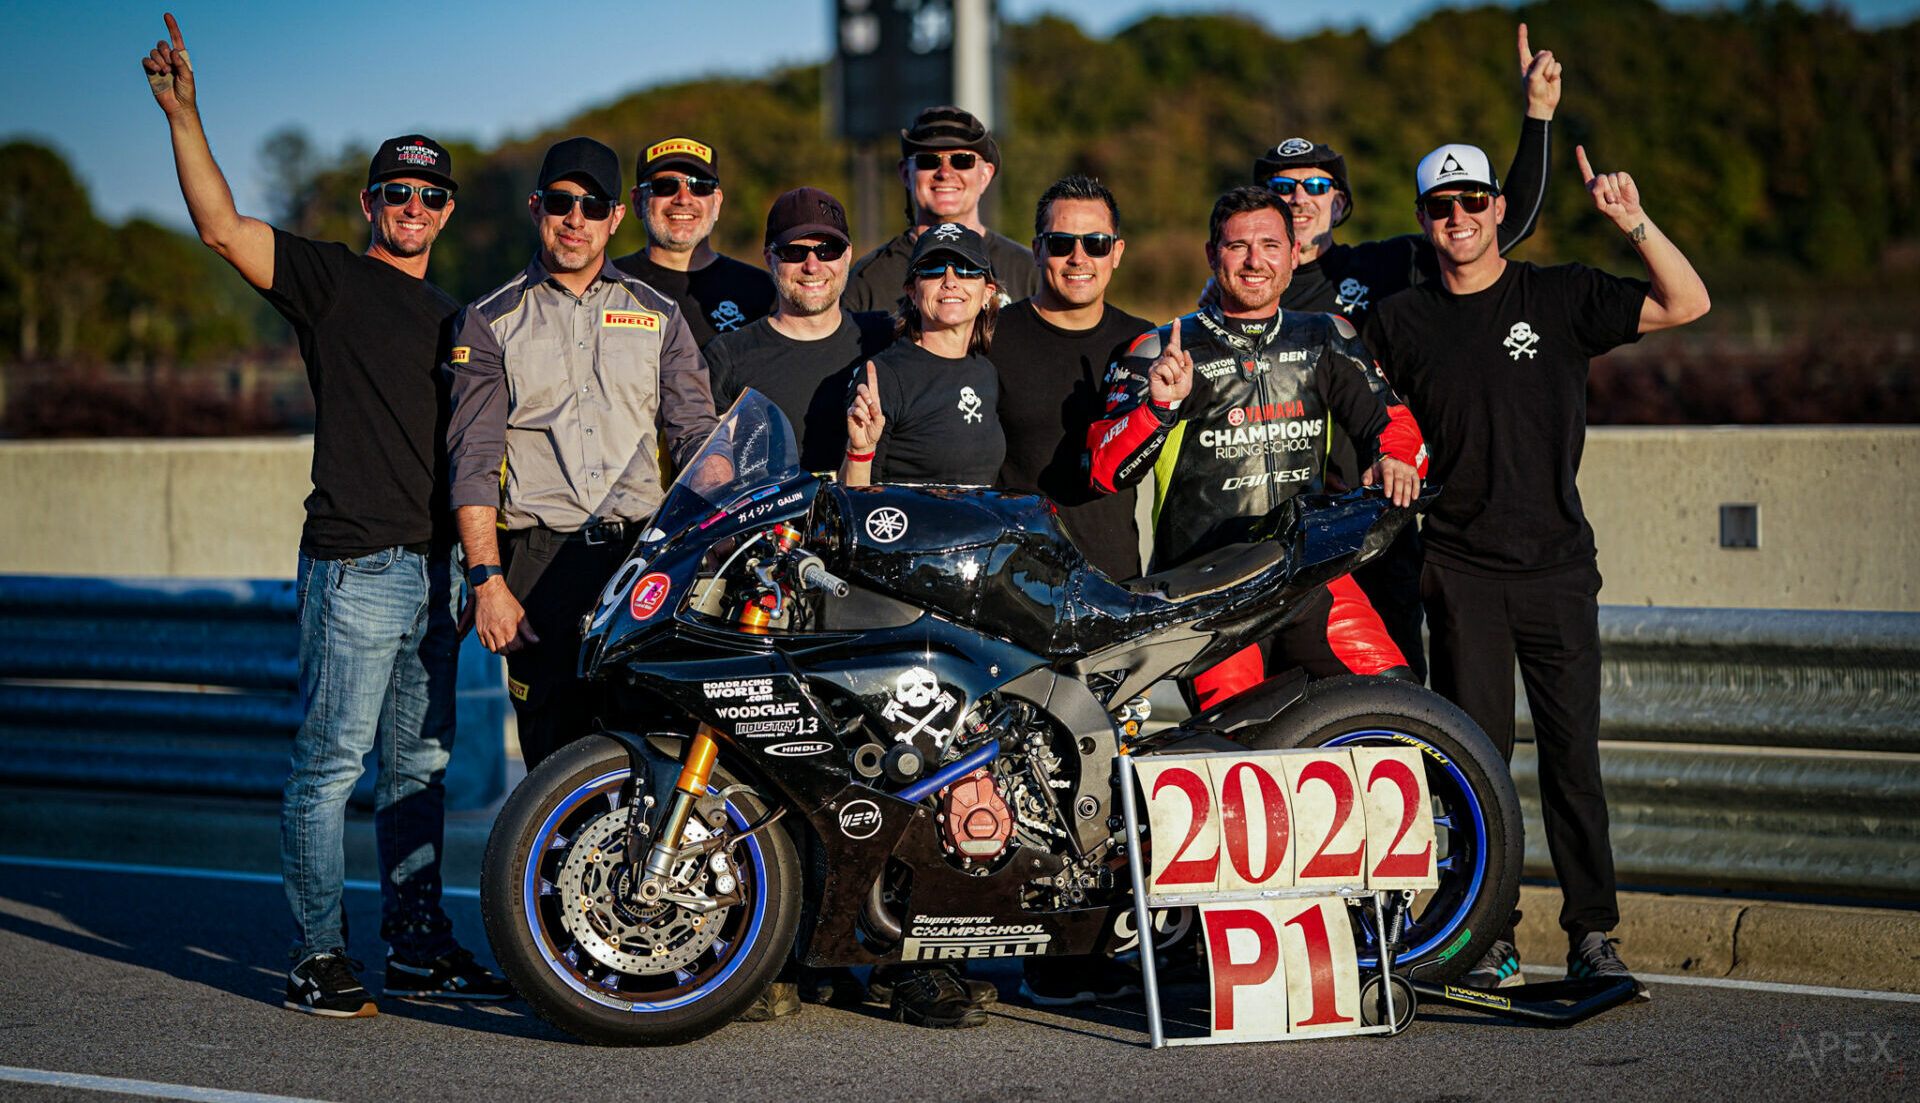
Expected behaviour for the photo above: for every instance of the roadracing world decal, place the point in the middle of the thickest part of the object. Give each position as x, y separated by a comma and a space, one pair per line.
965, 937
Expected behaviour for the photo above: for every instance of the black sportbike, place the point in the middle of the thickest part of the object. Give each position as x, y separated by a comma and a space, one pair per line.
923, 690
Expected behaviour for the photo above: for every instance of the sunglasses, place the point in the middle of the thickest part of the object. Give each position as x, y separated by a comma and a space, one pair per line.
1061, 244
961, 161
397, 195
1312, 185
937, 269
560, 204
796, 253
1437, 207
666, 187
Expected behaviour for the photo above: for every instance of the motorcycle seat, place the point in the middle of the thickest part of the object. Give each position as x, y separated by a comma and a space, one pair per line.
1216, 570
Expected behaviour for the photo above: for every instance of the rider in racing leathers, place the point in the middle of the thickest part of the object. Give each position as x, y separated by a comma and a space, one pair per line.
1230, 408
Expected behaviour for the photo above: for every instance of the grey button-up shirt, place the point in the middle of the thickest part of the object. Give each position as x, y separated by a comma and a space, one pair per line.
561, 404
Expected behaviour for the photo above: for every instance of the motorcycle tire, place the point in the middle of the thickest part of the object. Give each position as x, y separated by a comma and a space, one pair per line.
527, 881
1476, 819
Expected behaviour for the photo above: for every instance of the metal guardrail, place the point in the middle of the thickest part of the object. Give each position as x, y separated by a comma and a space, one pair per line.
1756, 749
186, 685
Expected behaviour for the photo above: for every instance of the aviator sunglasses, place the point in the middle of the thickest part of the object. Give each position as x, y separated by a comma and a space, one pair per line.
396, 195
1312, 185
666, 187
796, 253
937, 269
961, 161
1061, 244
560, 204
1437, 207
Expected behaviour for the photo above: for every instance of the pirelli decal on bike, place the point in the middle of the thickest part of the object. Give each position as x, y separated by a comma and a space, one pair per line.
968, 937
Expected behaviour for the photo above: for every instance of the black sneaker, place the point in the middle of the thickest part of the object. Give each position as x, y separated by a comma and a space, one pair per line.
451, 976
326, 984
983, 993
1071, 981
933, 996
779, 1000
1498, 968
1594, 956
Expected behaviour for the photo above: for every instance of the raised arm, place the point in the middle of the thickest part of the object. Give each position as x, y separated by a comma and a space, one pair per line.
246, 243
1678, 295
1526, 185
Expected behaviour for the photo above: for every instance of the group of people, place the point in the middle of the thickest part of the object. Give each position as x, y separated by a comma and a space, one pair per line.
532, 429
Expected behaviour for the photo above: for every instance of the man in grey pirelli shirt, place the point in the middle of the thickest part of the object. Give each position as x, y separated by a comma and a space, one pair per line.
567, 381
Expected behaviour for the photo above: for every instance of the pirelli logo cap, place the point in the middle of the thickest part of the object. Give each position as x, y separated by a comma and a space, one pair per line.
687, 154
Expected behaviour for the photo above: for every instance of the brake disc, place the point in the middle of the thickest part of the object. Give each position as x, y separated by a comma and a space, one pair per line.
595, 883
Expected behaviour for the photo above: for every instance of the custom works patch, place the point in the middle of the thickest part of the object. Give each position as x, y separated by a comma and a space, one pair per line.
630, 319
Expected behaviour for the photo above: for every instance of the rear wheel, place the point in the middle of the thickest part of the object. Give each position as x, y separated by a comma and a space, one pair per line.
554, 893
1476, 813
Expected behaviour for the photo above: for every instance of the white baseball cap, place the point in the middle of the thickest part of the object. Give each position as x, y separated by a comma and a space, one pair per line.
1454, 165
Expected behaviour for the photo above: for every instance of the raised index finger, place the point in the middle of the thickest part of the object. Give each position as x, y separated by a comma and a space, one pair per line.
1173, 342
1586, 170
1526, 55
173, 32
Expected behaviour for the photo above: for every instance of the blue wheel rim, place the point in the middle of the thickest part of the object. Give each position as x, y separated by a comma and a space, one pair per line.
597, 789
1463, 871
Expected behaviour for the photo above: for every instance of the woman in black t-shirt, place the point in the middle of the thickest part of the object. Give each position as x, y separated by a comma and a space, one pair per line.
925, 410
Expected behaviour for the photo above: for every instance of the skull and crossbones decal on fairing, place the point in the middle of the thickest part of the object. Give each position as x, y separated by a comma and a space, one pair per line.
969, 405
727, 316
1521, 338
917, 702
1352, 297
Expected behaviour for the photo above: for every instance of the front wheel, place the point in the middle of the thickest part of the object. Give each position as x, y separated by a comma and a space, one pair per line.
1476, 813
554, 894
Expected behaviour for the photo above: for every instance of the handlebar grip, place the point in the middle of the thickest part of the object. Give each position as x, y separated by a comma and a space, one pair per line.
815, 574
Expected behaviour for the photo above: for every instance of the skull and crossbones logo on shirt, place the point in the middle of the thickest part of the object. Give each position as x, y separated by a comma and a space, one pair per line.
1522, 338
969, 405
1352, 296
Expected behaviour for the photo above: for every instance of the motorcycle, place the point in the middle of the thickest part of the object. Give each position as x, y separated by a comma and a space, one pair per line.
923, 690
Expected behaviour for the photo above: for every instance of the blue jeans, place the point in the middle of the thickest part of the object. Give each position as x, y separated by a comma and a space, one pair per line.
378, 660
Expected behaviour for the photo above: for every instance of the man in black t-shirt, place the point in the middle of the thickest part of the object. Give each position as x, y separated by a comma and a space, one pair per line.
376, 596
1052, 352
1492, 358
802, 355
678, 196
947, 162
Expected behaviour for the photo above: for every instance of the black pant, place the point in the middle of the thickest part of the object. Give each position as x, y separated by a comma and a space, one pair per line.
1392, 586
1550, 623
557, 578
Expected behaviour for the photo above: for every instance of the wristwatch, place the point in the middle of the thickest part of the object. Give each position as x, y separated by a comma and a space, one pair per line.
477, 576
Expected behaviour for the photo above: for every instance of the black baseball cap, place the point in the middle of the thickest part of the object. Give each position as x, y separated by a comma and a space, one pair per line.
1299, 153
592, 163
688, 153
948, 127
951, 239
412, 155
805, 212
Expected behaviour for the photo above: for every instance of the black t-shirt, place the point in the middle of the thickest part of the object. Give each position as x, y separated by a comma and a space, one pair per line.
808, 380
371, 336
879, 279
1051, 393
941, 426
1497, 380
719, 298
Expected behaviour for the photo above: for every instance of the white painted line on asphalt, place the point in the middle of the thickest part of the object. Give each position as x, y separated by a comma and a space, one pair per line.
206, 874
1757, 986
148, 1088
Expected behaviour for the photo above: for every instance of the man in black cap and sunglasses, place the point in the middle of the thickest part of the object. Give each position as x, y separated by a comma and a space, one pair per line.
947, 162
569, 381
678, 196
1492, 358
377, 599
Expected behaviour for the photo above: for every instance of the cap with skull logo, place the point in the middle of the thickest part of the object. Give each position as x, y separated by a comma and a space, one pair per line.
1299, 153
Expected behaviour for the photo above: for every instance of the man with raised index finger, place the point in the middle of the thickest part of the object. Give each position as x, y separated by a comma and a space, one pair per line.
569, 382
1493, 360
376, 594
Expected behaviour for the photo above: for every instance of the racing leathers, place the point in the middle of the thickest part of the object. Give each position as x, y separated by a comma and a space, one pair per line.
1252, 433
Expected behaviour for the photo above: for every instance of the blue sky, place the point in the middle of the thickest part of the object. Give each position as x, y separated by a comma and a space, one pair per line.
350, 72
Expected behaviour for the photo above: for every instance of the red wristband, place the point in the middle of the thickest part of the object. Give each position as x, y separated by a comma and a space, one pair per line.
861, 457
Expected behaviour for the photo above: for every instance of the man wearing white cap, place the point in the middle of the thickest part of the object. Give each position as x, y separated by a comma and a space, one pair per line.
1492, 359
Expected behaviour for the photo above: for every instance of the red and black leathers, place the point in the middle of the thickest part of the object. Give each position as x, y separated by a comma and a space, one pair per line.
1252, 433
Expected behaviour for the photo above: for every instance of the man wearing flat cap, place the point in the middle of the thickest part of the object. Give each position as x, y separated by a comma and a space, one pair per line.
376, 596
678, 196
947, 162
569, 380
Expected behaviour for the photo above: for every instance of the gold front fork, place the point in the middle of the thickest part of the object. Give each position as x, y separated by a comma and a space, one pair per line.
702, 750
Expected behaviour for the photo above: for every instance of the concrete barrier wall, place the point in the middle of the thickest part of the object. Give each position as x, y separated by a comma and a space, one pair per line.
1839, 512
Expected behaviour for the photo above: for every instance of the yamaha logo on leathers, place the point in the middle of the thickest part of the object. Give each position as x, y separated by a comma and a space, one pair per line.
1522, 338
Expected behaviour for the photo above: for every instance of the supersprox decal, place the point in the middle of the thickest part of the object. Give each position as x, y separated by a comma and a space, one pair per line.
963, 937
